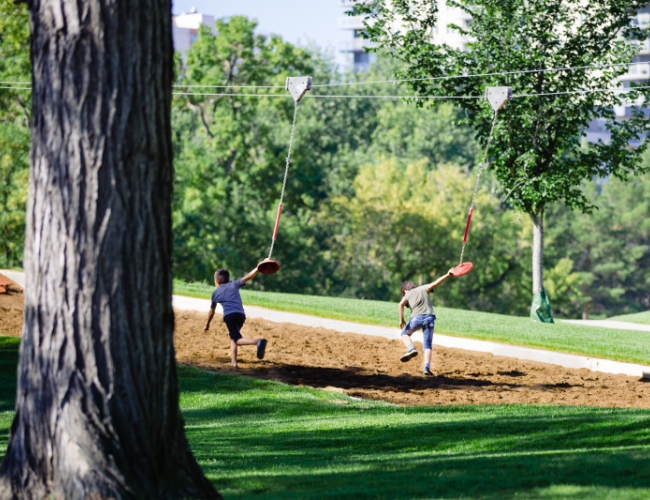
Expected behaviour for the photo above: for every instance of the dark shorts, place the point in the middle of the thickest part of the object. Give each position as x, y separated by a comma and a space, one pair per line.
234, 322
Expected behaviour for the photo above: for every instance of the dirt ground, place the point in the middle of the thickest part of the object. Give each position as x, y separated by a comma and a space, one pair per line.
369, 367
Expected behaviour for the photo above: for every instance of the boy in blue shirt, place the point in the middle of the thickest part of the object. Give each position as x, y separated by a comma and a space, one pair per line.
227, 294
417, 299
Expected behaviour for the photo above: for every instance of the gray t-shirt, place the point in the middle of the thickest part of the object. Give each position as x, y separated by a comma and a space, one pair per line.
418, 299
229, 298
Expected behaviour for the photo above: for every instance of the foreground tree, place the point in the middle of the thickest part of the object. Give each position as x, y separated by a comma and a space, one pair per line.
97, 412
537, 154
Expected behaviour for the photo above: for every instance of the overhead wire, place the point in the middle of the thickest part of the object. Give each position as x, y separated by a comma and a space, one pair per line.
26, 86
376, 82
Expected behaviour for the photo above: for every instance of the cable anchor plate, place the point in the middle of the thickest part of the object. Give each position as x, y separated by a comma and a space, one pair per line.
298, 86
498, 96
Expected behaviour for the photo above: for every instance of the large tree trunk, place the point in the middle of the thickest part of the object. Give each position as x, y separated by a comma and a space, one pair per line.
97, 412
538, 252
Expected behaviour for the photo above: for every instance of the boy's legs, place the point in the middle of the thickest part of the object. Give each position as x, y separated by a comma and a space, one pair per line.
427, 340
411, 352
234, 322
233, 353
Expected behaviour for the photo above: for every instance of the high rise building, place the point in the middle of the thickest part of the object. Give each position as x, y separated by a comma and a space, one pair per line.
357, 57
185, 29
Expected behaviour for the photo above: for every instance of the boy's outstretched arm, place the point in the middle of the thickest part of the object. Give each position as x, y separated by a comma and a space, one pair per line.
400, 308
210, 316
442, 278
250, 275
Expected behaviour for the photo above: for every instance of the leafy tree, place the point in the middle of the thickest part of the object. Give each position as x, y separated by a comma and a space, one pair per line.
432, 133
228, 158
230, 154
97, 413
609, 249
537, 154
402, 224
15, 75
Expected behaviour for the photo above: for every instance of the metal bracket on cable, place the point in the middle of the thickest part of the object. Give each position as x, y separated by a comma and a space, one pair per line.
298, 86
498, 96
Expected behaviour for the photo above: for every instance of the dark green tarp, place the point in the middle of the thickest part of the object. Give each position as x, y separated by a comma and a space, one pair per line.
540, 309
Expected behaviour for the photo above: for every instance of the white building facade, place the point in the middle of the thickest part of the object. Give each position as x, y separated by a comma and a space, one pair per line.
185, 29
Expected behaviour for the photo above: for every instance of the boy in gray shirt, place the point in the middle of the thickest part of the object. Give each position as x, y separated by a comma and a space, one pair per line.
417, 299
227, 294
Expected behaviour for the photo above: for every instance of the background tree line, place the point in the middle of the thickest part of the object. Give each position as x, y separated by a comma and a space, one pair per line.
377, 191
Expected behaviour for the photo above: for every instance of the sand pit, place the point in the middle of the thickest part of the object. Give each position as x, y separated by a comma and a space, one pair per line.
369, 367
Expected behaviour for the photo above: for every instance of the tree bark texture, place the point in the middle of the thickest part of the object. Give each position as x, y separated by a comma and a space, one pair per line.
97, 411
538, 252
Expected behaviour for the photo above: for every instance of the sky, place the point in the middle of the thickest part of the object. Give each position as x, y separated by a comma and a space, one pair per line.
297, 21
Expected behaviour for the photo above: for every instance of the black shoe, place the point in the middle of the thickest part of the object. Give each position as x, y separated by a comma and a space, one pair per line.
261, 348
427, 372
408, 355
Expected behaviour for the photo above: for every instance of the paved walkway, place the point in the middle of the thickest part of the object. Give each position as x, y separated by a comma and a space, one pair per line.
609, 323
540, 355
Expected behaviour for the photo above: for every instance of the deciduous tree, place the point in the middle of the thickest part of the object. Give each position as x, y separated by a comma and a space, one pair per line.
97, 411
537, 153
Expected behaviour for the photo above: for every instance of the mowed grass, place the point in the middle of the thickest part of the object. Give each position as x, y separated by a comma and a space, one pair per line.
620, 345
261, 439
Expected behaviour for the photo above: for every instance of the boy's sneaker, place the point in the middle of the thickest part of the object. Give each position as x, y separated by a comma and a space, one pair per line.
261, 348
427, 372
408, 355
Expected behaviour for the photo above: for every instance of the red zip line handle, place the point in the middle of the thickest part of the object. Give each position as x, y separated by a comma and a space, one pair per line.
469, 220
277, 221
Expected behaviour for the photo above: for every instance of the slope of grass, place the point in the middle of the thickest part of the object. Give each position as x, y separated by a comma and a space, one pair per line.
261, 439
621, 345
642, 318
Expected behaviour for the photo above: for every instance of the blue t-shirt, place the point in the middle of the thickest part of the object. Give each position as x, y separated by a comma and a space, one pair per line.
228, 296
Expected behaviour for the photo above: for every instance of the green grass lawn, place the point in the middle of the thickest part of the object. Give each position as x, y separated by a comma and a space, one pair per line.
642, 318
261, 439
620, 345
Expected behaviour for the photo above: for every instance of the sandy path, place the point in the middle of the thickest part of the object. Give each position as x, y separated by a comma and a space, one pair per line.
369, 367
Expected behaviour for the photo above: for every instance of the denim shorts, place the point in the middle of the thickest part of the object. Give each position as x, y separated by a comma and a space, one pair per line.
426, 323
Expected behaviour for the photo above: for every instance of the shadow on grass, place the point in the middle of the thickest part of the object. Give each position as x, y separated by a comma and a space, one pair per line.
260, 439
8, 370
284, 446
497, 457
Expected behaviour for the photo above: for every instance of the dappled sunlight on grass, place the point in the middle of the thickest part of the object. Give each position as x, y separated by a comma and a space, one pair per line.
292, 445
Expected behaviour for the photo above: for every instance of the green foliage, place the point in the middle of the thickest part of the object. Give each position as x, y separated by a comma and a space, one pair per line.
609, 249
537, 155
228, 148
406, 222
14, 130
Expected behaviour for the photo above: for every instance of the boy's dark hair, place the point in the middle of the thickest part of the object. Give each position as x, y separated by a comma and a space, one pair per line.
408, 285
222, 276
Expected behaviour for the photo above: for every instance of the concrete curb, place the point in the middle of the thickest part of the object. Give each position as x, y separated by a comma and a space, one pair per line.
509, 351
15, 276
